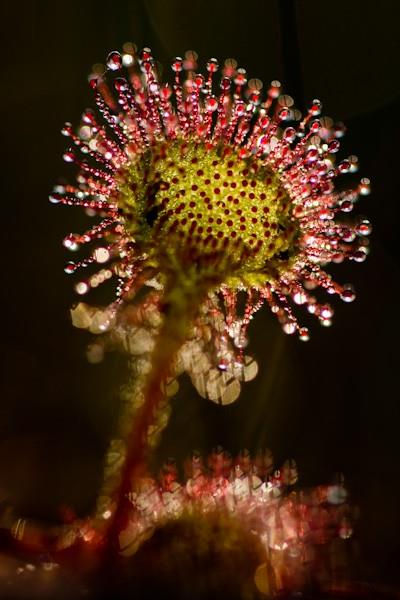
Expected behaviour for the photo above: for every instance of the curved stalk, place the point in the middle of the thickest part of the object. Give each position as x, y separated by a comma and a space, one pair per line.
181, 310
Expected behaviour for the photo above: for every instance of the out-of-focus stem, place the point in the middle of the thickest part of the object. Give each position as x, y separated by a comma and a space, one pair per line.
181, 309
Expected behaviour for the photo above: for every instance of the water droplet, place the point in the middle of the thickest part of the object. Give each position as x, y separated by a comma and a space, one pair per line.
211, 104
93, 80
338, 258
127, 60
326, 322
348, 294
326, 311
212, 65
289, 134
114, 61
55, 198
284, 114
345, 529
101, 255
289, 327
365, 186
69, 156
364, 227
263, 141
316, 107
359, 256
240, 78
85, 132
146, 54
315, 126
81, 288
275, 89
311, 307
190, 62
333, 146
304, 334
348, 235
230, 66
340, 129
346, 206
121, 84
177, 65
312, 155
300, 297
325, 214
240, 108
70, 268
70, 242
285, 100
344, 166
67, 129
89, 117
222, 364
353, 163
129, 48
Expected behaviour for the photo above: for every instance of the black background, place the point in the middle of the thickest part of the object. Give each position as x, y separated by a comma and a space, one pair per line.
333, 403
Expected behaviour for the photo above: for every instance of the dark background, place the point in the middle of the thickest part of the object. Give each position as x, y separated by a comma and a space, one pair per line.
333, 403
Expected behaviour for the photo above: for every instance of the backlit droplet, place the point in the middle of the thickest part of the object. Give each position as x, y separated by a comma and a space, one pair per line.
300, 297
364, 227
289, 328
101, 255
70, 242
70, 268
365, 186
55, 198
348, 294
81, 288
69, 156
114, 61
127, 60
304, 335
